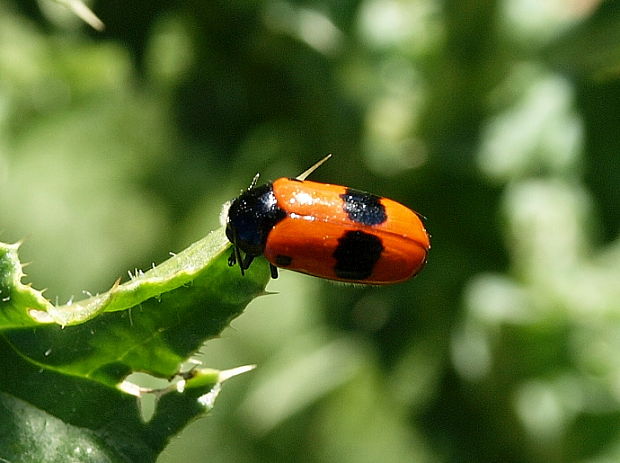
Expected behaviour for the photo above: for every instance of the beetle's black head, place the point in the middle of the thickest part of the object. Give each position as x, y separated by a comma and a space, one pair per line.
251, 217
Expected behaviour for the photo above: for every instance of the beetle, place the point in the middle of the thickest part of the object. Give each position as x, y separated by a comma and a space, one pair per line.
329, 231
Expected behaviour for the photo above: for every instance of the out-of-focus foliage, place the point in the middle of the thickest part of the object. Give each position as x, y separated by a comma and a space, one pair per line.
498, 120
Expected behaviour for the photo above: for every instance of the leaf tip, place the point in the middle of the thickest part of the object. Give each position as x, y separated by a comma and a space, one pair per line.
227, 374
267, 293
84, 13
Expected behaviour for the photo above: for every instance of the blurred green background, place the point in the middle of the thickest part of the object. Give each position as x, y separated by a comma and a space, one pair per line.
498, 120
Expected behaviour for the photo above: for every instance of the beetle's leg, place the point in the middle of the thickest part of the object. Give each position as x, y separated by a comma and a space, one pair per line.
241, 262
235, 257
245, 263
274, 271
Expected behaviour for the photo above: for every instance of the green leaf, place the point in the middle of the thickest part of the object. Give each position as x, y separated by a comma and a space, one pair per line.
48, 416
62, 368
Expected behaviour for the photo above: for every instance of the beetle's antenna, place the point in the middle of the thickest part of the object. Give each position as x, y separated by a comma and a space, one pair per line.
303, 175
254, 180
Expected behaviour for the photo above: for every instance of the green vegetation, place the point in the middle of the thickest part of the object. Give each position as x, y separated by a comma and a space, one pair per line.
497, 120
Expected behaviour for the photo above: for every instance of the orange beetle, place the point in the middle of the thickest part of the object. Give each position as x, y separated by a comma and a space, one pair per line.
329, 231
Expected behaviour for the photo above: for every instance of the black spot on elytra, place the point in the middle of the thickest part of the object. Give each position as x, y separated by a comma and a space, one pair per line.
283, 261
364, 208
356, 255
